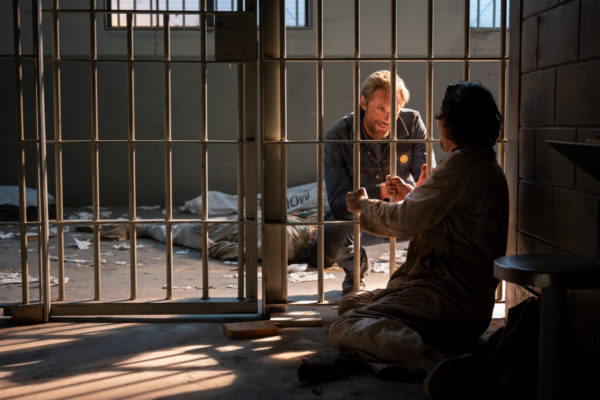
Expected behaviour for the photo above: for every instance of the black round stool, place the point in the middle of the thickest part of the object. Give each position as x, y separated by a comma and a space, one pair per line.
554, 274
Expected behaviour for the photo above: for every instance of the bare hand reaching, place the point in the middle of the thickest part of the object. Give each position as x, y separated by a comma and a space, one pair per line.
400, 188
424, 175
355, 200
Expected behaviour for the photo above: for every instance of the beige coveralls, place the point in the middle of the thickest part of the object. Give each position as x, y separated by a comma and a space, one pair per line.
441, 300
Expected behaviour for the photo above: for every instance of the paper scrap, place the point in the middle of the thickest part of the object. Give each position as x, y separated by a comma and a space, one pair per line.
8, 235
15, 277
121, 262
186, 251
227, 262
125, 246
381, 267
297, 267
209, 286
400, 254
297, 277
82, 244
149, 207
178, 287
80, 215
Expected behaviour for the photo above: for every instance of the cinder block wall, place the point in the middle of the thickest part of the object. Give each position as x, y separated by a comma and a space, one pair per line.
558, 203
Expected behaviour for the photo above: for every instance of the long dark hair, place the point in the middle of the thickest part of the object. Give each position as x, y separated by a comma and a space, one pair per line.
470, 114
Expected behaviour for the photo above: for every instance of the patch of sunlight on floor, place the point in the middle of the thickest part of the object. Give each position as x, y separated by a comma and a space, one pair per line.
171, 372
499, 311
291, 355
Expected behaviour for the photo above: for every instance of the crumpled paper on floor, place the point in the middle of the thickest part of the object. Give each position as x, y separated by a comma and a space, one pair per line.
382, 263
15, 277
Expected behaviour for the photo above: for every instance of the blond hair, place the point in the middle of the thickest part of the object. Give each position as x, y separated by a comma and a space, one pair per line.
381, 80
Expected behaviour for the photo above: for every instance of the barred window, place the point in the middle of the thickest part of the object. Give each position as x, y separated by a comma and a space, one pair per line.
486, 14
296, 12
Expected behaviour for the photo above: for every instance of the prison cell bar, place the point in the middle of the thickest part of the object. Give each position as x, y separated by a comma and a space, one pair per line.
429, 87
240, 173
502, 103
292, 59
356, 136
60, 236
58, 142
204, 113
320, 153
38, 154
251, 161
393, 127
95, 152
240, 179
43, 173
502, 88
283, 148
274, 209
168, 156
131, 152
467, 41
283, 138
21, 151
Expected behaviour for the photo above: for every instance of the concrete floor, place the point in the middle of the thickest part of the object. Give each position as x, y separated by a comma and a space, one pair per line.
176, 356
127, 359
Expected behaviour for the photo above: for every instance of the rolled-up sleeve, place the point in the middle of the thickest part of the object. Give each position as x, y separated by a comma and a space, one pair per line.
422, 209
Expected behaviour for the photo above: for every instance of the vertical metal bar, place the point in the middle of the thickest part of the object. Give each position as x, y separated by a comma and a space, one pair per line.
240, 176
95, 151
131, 148
204, 106
502, 88
43, 173
283, 139
168, 156
356, 144
393, 119
467, 42
429, 85
21, 152
478, 13
60, 236
273, 207
38, 183
502, 103
240, 173
320, 155
251, 161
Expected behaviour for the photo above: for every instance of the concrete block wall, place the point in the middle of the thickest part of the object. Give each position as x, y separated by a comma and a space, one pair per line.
558, 203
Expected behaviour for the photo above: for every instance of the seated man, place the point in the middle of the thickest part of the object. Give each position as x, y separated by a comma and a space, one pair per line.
441, 300
374, 166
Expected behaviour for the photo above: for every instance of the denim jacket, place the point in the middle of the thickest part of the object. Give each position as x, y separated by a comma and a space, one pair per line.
374, 159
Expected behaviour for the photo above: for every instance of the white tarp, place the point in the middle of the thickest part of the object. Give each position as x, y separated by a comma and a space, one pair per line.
222, 242
9, 195
299, 198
